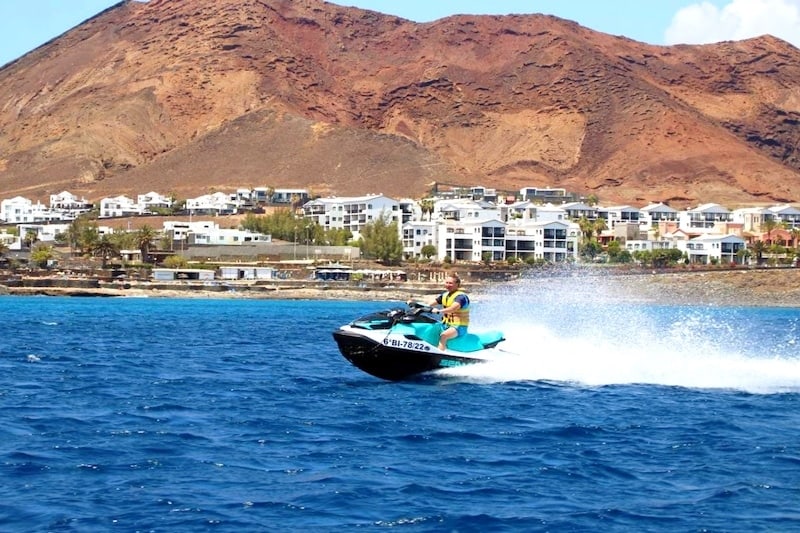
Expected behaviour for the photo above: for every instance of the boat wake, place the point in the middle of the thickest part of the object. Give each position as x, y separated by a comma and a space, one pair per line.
598, 344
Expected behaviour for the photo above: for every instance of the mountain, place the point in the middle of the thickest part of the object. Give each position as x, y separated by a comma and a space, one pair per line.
195, 97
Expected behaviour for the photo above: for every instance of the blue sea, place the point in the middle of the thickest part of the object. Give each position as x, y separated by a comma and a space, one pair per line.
149, 414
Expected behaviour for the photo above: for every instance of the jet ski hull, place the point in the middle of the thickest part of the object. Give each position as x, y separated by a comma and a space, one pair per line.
398, 344
395, 363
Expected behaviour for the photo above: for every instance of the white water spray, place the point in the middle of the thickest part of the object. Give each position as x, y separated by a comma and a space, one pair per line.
572, 330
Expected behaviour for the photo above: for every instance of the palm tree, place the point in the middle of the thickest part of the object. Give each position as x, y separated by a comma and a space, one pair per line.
31, 237
427, 206
144, 240
105, 249
759, 247
795, 237
81, 235
587, 227
599, 226
42, 255
768, 225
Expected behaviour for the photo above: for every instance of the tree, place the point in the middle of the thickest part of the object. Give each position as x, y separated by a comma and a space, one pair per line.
744, 255
617, 254
144, 240
123, 240
30, 238
428, 251
599, 226
664, 257
587, 227
175, 261
81, 235
758, 248
427, 205
42, 255
795, 237
337, 236
105, 249
380, 240
768, 225
590, 249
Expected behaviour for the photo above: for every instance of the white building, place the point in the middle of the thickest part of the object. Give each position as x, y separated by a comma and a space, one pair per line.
713, 248
247, 272
620, 214
527, 210
479, 192
43, 232
578, 210
705, 218
179, 230
787, 214
184, 274
151, 201
19, 210
752, 218
642, 245
213, 235
463, 230
217, 203
207, 233
353, 213
289, 196
11, 241
652, 214
119, 206
553, 241
69, 206
465, 210
471, 240
418, 234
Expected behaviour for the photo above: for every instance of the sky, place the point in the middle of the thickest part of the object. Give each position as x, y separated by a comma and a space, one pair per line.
27, 24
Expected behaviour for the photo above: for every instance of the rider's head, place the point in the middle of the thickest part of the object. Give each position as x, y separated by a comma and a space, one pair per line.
452, 282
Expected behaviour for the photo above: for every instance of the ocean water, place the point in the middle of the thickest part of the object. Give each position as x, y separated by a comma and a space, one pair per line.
145, 414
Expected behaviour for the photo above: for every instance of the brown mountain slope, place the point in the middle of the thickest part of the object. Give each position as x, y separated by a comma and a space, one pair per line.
190, 97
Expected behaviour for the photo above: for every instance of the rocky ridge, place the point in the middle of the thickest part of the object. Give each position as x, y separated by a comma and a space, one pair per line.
194, 97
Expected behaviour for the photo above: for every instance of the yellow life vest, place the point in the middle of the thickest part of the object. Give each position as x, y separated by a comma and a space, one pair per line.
455, 318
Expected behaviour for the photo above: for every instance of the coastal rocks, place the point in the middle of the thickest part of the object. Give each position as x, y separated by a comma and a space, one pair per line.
768, 287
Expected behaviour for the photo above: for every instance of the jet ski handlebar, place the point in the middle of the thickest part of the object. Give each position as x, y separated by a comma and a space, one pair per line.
418, 308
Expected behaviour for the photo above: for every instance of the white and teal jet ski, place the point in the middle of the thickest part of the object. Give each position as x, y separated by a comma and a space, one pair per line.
397, 344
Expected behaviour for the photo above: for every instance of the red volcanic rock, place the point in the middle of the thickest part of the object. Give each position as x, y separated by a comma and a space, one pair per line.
193, 97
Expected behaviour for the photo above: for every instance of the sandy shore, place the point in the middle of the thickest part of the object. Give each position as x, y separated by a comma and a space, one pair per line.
761, 287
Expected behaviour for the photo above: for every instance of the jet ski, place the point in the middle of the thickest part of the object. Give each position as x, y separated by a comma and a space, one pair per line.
400, 343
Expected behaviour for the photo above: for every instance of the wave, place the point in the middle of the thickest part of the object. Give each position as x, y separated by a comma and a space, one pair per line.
566, 334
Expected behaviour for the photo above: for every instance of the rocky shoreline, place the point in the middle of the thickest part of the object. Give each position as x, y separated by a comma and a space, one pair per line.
766, 287
288, 290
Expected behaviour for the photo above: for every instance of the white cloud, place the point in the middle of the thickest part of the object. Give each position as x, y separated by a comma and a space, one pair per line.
704, 22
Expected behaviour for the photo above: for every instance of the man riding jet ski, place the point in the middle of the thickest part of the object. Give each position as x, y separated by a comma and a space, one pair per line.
400, 343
